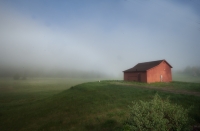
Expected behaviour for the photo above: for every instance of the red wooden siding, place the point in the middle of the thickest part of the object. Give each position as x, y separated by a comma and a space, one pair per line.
154, 74
135, 76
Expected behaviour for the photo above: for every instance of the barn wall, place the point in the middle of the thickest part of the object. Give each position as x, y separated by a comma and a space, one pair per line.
143, 77
133, 76
154, 74
130, 76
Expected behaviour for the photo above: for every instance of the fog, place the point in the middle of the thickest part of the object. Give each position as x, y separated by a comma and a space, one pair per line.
97, 37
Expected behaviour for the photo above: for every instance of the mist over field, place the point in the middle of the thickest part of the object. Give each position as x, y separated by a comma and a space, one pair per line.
96, 38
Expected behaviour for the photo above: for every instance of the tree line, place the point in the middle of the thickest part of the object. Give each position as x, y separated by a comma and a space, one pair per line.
192, 70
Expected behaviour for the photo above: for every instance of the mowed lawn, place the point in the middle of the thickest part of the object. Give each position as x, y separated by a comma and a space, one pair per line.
56, 104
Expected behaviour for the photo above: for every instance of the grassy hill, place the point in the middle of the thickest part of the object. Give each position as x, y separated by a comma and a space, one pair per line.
93, 106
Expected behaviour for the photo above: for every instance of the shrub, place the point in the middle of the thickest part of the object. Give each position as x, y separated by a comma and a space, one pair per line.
157, 115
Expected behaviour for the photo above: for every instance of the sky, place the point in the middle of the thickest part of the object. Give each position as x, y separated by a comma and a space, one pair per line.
105, 35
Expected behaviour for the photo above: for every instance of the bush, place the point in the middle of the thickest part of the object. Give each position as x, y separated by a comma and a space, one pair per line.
157, 115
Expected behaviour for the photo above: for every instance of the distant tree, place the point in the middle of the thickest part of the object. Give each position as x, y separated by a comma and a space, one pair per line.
192, 71
187, 70
195, 71
24, 76
16, 76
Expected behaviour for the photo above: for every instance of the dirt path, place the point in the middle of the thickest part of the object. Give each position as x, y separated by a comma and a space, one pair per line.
164, 89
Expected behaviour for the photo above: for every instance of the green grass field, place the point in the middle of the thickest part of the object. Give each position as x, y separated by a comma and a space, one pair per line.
57, 104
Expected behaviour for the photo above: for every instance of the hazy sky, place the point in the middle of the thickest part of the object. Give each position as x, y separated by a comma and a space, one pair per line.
105, 35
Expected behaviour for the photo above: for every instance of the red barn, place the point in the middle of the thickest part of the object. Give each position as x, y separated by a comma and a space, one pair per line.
153, 71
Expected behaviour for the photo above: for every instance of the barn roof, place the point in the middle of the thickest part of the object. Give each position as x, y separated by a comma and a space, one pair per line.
145, 66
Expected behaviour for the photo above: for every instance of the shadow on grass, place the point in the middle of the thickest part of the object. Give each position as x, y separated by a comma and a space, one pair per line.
108, 125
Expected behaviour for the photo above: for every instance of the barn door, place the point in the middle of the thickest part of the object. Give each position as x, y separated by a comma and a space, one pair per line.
161, 78
139, 77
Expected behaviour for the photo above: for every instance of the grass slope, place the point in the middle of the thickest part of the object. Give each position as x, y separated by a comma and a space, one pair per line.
93, 106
